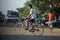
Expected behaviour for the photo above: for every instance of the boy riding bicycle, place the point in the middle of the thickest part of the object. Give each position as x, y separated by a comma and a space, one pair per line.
31, 16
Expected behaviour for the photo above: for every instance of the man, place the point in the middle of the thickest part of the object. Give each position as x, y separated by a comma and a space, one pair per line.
51, 19
50, 16
32, 16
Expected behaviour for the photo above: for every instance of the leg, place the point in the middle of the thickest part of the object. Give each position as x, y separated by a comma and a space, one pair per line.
31, 24
27, 24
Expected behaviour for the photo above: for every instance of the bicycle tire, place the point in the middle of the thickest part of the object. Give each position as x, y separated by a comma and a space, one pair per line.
19, 28
51, 27
39, 30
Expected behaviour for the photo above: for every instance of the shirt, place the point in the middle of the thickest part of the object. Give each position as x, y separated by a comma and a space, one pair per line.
50, 16
33, 16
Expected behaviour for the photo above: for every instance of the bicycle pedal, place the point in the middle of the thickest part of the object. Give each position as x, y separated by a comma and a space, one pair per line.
31, 30
37, 29
26, 29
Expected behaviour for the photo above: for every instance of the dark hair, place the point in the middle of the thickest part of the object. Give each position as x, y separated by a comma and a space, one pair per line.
30, 5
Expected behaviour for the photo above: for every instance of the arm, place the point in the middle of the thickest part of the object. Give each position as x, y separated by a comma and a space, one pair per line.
55, 18
47, 17
29, 16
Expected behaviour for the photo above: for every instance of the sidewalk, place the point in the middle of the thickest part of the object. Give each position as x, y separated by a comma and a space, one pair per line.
11, 31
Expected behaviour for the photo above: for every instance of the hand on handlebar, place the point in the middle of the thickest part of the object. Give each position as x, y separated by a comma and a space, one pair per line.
26, 17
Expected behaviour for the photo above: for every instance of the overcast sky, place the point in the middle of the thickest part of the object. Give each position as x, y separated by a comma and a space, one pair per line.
10, 5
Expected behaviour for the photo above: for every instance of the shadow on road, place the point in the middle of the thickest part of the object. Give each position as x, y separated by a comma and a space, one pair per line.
28, 37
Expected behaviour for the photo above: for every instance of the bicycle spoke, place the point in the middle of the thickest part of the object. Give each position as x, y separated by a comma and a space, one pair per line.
19, 29
38, 30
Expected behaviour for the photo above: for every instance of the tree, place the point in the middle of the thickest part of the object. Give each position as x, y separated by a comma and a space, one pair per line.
41, 6
23, 12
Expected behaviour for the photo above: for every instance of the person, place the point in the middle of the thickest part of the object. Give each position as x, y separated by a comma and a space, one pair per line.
50, 16
51, 19
31, 16
44, 19
59, 18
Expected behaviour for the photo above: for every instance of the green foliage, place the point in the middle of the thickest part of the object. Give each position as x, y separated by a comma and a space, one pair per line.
23, 11
41, 6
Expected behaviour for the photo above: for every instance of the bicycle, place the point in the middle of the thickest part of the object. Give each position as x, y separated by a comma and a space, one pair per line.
50, 24
36, 28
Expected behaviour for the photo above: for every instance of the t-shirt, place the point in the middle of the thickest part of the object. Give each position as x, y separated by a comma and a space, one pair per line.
32, 11
50, 16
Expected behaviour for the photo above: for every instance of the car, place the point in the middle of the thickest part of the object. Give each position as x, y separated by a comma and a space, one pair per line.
2, 17
12, 16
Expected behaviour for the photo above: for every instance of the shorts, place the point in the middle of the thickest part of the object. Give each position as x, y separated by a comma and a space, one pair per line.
32, 20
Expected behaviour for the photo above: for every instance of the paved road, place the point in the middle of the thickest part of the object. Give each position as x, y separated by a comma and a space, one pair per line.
12, 31
9, 29
18, 37
7, 32
7, 24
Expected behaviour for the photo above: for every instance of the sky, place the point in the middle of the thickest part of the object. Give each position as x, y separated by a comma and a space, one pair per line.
11, 5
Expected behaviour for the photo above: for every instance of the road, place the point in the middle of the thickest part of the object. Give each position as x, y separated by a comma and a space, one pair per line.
7, 32
28, 37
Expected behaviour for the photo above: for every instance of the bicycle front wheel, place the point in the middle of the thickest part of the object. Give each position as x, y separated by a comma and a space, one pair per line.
19, 28
38, 30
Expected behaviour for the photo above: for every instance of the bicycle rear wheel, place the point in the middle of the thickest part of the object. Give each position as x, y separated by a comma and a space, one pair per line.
19, 28
38, 30
51, 27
